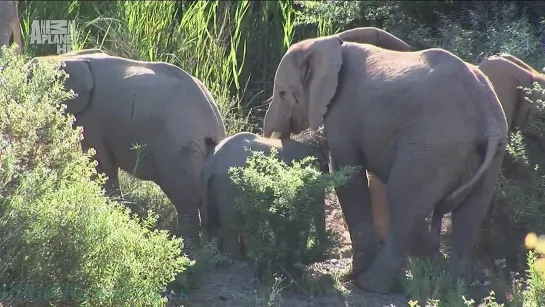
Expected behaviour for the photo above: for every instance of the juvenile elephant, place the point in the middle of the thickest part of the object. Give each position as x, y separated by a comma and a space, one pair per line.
425, 122
218, 193
122, 103
10, 24
506, 73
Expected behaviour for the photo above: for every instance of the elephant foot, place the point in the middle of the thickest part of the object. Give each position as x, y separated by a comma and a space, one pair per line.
426, 244
365, 247
381, 276
190, 243
378, 283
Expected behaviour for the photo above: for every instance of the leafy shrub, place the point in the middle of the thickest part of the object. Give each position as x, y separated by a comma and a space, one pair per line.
61, 239
276, 206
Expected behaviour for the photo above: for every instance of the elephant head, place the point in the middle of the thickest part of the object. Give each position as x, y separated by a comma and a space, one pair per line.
307, 76
507, 73
304, 84
80, 80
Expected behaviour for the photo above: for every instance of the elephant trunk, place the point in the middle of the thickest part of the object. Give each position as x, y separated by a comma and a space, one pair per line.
274, 124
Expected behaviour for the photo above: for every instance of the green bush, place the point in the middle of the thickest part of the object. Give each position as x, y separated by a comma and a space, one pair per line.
276, 207
61, 239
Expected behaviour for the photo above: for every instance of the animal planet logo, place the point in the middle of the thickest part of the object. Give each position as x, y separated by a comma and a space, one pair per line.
53, 32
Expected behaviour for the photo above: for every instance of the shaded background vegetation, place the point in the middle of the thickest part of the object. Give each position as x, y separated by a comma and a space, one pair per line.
235, 47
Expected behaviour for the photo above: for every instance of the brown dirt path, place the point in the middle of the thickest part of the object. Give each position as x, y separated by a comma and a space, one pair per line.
236, 286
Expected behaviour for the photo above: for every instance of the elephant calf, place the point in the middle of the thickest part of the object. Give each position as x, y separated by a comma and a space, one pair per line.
218, 193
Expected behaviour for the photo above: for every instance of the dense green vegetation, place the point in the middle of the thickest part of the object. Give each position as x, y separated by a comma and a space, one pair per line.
234, 48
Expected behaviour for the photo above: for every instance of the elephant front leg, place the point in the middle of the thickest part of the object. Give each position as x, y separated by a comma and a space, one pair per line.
106, 163
355, 203
319, 220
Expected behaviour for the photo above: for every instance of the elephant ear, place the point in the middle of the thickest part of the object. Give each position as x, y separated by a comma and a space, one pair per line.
323, 63
80, 80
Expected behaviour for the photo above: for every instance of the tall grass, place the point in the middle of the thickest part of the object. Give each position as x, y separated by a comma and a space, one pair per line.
232, 46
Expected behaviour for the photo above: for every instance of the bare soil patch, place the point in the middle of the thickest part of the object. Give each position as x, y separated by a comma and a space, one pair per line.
235, 285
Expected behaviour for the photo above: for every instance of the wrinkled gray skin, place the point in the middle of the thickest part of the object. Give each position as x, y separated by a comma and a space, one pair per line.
10, 24
172, 115
219, 192
425, 122
506, 73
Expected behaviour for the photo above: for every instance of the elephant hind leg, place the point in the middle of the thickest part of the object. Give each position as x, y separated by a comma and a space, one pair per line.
413, 191
211, 229
467, 220
230, 243
180, 179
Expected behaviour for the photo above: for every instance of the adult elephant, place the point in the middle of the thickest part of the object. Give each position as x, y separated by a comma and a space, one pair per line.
10, 24
121, 103
425, 122
377, 188
506, 73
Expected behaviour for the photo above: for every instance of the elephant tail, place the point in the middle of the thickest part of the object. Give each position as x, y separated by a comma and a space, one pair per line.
495, 144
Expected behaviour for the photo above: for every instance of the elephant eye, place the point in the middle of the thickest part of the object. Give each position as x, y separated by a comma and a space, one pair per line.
282, 95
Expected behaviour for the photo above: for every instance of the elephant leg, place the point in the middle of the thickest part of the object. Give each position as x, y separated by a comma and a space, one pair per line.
355, 203
230, 243
105, 163
112, 181
180, 179
467, 220
211, 223
319, 219
230, 237
434, 237
413, 191
380, 206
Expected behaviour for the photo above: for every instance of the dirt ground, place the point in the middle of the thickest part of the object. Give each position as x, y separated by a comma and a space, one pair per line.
235, 285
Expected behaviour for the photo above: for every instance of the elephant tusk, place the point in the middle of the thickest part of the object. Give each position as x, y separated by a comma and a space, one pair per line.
275, 135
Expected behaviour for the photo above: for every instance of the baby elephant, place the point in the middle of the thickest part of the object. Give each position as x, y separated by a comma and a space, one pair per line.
219, 192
